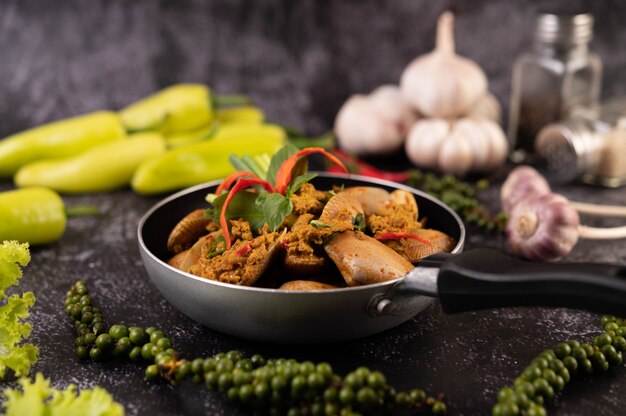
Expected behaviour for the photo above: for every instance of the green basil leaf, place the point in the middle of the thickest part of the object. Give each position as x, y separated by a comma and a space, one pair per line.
243, 205
298, 182
278, 159
275, 208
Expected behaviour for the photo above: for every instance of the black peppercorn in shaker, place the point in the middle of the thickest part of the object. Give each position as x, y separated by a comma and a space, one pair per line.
558, 77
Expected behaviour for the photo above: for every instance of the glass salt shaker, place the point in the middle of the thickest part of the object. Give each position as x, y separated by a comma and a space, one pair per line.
558, 77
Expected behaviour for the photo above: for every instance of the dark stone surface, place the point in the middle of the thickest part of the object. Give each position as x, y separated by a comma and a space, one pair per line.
299, 61
468, 356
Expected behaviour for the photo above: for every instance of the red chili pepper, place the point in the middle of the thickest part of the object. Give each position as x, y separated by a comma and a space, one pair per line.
362, 168
244, 250
231, 179
283, 176
397, 236
241, 184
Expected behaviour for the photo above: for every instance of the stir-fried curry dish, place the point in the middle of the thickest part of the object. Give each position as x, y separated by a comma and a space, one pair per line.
261, 226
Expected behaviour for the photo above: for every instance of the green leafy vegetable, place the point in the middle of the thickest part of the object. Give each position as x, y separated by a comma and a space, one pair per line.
319, 224
359, 222
39, 399
341, 188
241, 206
278, 159
14, 310
275, 208
213, 252
298, 182
247, 163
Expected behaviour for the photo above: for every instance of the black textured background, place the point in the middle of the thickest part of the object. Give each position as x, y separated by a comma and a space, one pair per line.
299, 60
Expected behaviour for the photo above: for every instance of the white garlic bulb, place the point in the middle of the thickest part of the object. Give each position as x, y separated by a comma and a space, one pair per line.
376, 124
472, 144
442, 83
489, 107
391, 105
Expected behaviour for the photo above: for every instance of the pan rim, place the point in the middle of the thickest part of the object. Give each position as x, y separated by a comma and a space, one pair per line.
276, 292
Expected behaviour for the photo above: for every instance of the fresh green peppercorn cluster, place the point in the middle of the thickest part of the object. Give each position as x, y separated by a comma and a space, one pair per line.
461, 197
553, 368
96, 342
282, 386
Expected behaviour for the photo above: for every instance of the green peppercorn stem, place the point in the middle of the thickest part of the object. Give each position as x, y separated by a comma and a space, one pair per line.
280, 386
553, 368
461, 197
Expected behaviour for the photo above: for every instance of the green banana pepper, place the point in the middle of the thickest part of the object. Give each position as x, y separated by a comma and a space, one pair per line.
101, 169
174, 141
31, 215
207, 160
181, 107
59, 139
243, 114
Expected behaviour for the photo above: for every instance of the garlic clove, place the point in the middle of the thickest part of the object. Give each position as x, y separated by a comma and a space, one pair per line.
455, 155
542, 227
361, 130
498, 144
489, 107
424, 140
441, 83
478, 139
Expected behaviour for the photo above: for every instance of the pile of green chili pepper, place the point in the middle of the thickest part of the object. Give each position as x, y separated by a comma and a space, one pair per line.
180, 136
177, 137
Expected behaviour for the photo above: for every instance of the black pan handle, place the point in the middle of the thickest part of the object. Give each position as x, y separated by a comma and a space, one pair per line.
486, 278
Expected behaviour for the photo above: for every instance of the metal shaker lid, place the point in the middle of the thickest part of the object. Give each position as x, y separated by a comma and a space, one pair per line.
577, 28
568, 149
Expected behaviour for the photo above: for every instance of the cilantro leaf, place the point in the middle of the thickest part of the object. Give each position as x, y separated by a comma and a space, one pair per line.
38, 398
14, 310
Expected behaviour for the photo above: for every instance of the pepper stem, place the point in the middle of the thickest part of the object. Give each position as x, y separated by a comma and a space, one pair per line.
326, 141
594, 233
230, 100
81, 211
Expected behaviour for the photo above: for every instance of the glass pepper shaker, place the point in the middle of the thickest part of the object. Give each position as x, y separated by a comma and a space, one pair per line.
556, 79
586, 146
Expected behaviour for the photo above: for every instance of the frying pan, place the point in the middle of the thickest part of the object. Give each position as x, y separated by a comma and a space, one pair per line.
463, 281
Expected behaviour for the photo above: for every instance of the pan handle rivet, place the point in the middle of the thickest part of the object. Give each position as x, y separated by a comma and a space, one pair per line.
380, 307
